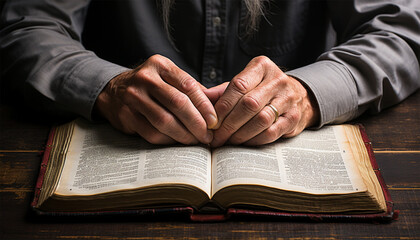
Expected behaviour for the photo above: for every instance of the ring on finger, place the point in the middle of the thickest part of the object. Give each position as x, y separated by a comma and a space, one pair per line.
276, 113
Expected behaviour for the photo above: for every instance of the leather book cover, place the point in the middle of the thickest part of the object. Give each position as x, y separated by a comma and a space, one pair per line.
232, 213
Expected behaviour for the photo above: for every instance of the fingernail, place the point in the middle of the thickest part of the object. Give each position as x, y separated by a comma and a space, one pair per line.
211, 121
209, 137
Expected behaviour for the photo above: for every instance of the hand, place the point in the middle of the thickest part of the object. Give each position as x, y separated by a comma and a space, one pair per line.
245, 116
160, 102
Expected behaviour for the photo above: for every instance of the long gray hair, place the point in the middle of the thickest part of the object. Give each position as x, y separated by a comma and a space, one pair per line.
255, 12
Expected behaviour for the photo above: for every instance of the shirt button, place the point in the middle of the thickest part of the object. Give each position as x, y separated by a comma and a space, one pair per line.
217, 21
213, 74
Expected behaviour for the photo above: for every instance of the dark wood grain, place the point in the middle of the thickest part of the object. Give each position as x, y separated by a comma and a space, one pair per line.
27, 226
394, 135
400, 169
396, 128
20, 131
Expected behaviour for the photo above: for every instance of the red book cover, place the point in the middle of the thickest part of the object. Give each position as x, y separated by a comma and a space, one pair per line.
231, 213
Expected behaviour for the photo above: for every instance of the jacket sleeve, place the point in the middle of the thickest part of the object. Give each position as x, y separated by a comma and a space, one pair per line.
375, 63
41, 50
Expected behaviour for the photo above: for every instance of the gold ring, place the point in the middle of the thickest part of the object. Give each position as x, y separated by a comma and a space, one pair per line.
275, 112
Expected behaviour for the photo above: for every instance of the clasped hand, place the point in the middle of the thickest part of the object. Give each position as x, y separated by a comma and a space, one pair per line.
164, 105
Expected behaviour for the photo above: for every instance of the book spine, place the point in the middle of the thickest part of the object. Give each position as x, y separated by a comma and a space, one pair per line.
43, 167
200, 217
368, 144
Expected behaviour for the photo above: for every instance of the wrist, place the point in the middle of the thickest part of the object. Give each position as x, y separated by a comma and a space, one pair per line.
102, 104
311, 112
312, 109
98, 113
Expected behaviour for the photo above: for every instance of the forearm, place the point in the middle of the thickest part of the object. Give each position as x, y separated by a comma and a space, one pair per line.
375, 66
43, 51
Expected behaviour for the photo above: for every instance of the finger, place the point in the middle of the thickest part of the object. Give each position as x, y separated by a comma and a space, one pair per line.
182, 81
129, 122
216, 92
263, 120
248, 107
158, 116
140, 125
260, 122
155, 97
167, 123
240, 85
202, 87
285, 124
181, 106
270, 134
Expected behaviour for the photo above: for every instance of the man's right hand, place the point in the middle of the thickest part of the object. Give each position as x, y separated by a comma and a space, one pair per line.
160, 102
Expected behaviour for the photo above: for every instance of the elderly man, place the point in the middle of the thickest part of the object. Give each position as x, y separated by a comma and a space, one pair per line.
215, 72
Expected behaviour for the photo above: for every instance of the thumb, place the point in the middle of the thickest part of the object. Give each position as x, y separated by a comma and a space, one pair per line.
216, 92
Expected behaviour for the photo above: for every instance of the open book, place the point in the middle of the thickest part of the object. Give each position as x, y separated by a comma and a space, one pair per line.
92, 167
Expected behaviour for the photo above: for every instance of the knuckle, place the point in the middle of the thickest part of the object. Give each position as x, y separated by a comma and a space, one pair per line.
201, 104
293, 117
251, 104
145, 75
273, 133
262, 60
130, 95
223, 106
280, 81
188, 84
228, 128
156, 58
131, 91
287, 98
196, 124
163, 122
264, 119
162, 63
154, 138
291, 95
292, 133
178, 101
240, 85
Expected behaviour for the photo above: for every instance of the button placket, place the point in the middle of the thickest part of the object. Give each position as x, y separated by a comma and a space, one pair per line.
214, 43
213, 74
217, 21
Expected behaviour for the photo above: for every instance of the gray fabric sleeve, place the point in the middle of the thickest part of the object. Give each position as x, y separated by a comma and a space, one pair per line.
375, 64
43, 39
333, 88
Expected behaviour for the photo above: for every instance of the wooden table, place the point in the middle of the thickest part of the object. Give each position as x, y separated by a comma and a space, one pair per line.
395, 135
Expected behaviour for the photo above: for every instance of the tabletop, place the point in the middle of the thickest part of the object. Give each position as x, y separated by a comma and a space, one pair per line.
395, 136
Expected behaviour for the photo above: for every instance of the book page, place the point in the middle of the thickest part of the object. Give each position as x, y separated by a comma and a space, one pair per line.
101, 159
315, 162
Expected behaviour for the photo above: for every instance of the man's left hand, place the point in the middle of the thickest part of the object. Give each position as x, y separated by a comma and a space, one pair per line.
244, 111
